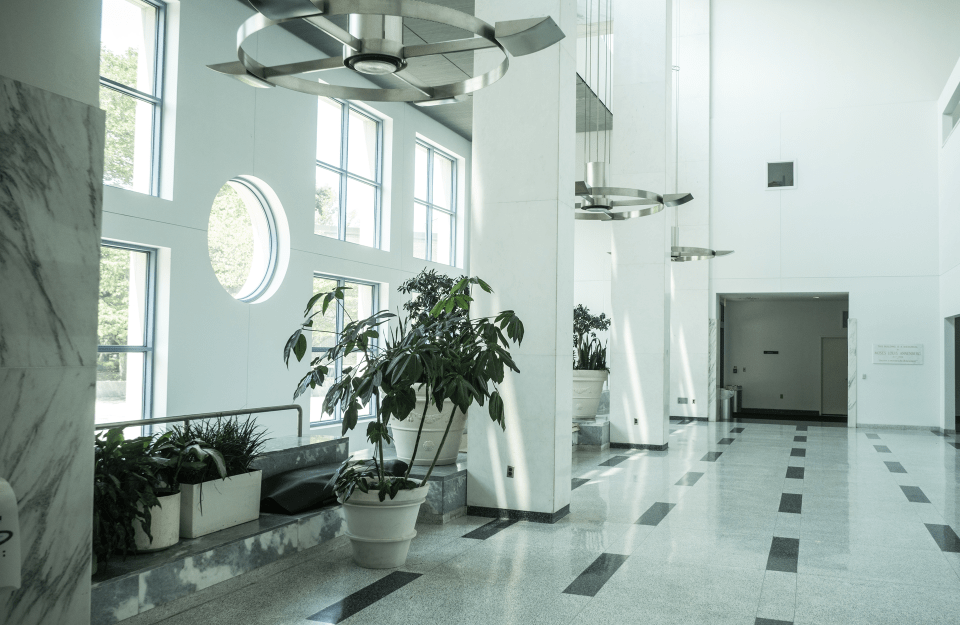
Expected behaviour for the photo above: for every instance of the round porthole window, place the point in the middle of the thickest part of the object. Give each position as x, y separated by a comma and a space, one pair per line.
245, 237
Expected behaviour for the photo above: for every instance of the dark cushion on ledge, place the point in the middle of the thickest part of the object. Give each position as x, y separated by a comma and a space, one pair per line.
300, 490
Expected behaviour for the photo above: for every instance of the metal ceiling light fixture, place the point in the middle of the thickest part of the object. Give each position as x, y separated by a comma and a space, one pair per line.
599, 200
678, 253
373, 45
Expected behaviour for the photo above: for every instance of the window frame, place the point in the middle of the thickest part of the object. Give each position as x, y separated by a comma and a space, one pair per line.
149, 324
430, 206
338, 366
345, 175
155, 99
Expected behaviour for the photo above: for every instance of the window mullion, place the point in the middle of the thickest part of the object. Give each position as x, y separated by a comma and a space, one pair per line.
344, 178
428, 245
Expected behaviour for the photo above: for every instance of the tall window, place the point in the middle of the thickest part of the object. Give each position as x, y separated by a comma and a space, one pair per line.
125, 329
349, 183
434, 209
360, 301
131, 43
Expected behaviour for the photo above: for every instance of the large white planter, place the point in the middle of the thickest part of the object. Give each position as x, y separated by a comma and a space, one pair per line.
219, 504
164, 525
405, 434
380, 531
587, 386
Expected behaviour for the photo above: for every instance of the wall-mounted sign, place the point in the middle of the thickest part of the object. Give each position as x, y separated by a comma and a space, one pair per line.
896, 354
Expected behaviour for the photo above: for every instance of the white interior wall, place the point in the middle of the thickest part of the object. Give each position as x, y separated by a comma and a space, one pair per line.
857, 130
792, 328
220, 353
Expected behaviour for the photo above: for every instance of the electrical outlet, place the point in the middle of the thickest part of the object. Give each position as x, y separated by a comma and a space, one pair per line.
509, 471
636, 421
781, 395
744, 369
681, 400
864, 376
694, 401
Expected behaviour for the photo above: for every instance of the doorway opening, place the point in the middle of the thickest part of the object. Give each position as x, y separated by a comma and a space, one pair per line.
785, 356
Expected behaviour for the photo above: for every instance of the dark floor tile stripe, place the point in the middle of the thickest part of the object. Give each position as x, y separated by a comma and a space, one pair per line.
689, 479
784, 553
589, 583
795, 473
655, 513
613, 461
711, 456
957, 445
486, 531
883, 449
770, 621
791, 502
799, 439
725, 441
363, 598
946, 538
874, 436
798, 452
801, 428
894, 467
737, 430
577, 482
914, 494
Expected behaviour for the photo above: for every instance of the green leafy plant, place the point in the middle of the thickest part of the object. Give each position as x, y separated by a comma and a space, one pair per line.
590, 355
457, 360
429, 287
177, 453
124, 476
211, 449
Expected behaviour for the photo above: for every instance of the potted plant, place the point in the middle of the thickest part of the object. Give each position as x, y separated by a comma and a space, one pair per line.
427, 421
589, 363
123, 494
457, 360
218, 487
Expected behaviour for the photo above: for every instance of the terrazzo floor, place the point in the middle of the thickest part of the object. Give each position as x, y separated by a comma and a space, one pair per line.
740, 523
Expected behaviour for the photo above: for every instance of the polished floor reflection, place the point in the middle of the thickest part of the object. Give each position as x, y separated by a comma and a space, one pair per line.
736, 523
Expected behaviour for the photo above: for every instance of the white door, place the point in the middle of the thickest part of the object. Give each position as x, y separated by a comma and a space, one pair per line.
833, 376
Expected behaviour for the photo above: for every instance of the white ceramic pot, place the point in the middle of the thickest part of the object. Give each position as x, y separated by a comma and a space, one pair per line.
380, 531
219, 504
587, 386
164, 525
405, 434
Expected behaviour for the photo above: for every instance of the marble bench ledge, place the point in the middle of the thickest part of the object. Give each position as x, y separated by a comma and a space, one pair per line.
140, 583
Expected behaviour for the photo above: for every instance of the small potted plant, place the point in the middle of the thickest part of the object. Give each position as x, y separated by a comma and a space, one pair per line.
124, 475
589, 363
218, 487
457, 360
427, 421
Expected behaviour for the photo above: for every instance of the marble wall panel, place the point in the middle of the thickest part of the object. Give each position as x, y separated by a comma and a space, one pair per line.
51, 171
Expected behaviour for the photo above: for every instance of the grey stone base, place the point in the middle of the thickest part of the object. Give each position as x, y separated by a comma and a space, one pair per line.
125, 588
593, 435
290, 452
704, 419
638, 446
943, 432
447, 498
519, 515
884, 426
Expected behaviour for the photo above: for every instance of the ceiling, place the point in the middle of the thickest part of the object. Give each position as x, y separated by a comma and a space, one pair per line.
448, 68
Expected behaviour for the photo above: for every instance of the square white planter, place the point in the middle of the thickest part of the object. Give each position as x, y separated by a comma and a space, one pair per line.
219, 504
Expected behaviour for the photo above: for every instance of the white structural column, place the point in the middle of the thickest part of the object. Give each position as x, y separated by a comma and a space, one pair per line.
640, 280
689, 349
522, 244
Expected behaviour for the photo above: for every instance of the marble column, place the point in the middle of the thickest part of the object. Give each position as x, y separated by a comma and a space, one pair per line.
51, 172
522, 243
642, 158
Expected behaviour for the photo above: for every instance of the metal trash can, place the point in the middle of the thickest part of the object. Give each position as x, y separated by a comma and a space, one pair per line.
737, 391
726, 399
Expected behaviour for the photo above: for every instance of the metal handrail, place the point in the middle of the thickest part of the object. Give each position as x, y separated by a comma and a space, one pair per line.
208, 415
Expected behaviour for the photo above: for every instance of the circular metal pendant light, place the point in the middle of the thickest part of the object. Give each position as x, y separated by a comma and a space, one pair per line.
373, 45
